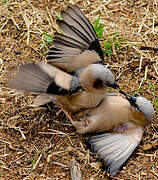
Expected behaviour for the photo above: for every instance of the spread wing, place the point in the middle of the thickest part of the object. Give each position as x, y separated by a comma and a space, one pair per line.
78, 46
44, 78
116, 148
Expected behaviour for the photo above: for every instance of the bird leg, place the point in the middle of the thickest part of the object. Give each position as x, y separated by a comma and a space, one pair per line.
78, 123
67, 115
65, 112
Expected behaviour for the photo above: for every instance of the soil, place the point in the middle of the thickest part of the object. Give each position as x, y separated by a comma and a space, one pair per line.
39, 143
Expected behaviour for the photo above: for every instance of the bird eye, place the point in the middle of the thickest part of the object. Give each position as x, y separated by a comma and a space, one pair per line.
97, 84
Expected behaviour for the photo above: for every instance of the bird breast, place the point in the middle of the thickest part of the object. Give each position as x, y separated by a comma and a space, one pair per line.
77, 102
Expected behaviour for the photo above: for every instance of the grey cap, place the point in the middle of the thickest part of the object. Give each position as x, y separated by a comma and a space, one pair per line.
103, 73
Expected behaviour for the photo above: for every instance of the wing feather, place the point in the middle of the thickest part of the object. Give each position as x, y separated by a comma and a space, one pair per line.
116, 148
69, 50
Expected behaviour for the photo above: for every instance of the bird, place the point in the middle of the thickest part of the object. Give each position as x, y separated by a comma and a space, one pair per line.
72, 92
74, 72
116, 127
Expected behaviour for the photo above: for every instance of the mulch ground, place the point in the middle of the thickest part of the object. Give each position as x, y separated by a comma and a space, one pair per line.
39, 143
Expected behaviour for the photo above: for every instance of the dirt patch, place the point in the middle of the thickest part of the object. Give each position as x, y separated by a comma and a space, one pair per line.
44, 135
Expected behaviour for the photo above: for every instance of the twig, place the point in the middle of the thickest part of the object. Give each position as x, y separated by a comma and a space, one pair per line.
62, 133
14, 127
37, 161
151, 145
4, 25
51, 19
18, 129
18, 158
59, 164
141, 83
140, 63
143, 154
148, 48
153, 25
154, 173
35, 50
155, 69
4, 167
113, 47
15, 22
9, 145
139, 51
146, 72
121, 73
28, 23
141, 25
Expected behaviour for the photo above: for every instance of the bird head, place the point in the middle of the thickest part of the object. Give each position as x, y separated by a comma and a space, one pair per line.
103, 74
141, 104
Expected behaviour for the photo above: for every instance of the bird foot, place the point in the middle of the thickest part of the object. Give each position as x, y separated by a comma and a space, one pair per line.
65, 112
80, 124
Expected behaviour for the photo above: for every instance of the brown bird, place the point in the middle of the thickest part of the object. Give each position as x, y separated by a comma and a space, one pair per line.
120, 124
75, 73
74, 93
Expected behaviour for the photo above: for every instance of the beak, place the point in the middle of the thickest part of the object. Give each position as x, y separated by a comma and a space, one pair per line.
114, 85
132, 100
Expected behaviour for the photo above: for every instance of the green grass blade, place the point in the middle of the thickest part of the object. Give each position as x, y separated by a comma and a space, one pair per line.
98, 27
48, 35
96, 23
58, 16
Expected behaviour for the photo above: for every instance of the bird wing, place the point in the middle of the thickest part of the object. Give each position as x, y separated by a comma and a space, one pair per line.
44, 78
116, 148
78, 46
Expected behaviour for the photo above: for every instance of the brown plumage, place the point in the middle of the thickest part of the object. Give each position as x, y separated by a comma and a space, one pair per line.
74, 93
102, 119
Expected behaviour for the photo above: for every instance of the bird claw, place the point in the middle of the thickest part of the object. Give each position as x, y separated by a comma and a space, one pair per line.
80, 124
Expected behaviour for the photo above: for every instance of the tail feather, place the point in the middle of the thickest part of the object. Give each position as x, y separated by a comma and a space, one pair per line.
43, 99
30, 77
41, 78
